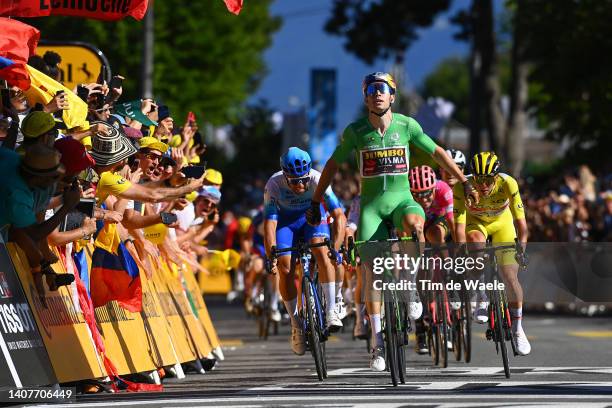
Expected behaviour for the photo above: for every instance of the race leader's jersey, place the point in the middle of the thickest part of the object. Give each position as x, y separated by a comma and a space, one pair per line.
281, 201
383, 160
505, 194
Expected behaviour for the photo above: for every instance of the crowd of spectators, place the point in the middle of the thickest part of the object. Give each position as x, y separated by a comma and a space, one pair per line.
573, 207
139, 169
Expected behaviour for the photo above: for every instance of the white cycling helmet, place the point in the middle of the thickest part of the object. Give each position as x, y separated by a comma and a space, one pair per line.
457, 156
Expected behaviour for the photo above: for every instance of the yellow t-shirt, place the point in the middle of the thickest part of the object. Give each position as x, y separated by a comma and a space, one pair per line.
110, 184
505, 194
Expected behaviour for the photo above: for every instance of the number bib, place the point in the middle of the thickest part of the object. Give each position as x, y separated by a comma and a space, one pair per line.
384, 161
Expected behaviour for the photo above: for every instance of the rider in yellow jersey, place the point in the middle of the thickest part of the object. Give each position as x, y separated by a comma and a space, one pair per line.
497, 213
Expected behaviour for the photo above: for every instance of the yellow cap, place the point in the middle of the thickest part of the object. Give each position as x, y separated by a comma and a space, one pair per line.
87, 142
156, 233
149, 142
36, 124
244, 223
192, 196
214, 176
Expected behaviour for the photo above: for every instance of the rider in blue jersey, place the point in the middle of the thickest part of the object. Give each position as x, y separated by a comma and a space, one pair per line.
287, 196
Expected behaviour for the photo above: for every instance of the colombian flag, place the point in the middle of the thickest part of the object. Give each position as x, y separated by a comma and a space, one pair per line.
114, 273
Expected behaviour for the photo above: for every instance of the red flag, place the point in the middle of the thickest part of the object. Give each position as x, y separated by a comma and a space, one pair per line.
95, 9
233, 6
17, 43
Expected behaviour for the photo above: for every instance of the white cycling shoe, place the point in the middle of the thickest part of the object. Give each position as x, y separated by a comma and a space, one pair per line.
455, 305
522, 343
333, 321
415, 310
275, 316
298, 341
377, 362
481, 314
340, 309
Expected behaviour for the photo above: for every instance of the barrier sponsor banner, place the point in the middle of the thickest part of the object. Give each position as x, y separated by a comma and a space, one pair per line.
156, 327
218, 279
23, 353
179, 333
195, 329
61, 325
202, 311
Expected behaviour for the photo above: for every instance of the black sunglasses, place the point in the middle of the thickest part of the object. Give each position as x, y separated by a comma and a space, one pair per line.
298, 180
423, 194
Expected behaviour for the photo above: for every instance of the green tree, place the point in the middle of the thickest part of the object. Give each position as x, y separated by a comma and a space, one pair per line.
451, 81
207, 60
257, 142
381, 29
568, 44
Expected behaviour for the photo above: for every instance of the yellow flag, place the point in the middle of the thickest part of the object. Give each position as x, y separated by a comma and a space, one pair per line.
44, 88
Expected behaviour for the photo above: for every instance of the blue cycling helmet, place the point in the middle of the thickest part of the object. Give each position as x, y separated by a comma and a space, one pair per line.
296, 162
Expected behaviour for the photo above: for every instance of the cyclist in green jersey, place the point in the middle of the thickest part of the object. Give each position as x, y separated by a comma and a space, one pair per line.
381, 141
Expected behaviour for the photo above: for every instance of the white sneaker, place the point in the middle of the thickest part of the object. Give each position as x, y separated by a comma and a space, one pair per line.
415, 310
298, 342
449, 345
522, 343
360, 331
377, 362
481, 314
333, 323
275, 316
340, 309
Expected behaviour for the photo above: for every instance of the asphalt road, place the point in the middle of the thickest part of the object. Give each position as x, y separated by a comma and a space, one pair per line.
570, 365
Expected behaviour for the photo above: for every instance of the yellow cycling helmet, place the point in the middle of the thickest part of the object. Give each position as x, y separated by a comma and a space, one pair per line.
485, 164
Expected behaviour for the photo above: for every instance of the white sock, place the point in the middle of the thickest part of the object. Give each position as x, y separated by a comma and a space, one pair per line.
339, 297
291, 306
517, 319
330, 295
376, 330
254, 291
274, 300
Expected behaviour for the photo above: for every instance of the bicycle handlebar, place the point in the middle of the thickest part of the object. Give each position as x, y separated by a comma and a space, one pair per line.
275, 252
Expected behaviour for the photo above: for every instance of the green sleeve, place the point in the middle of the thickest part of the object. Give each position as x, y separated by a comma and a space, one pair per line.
419, 138
346, 146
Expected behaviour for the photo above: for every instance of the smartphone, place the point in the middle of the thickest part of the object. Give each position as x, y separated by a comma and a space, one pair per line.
191, 117
135, 164
193, 171
83, 92
168, 218
75, 218
212, 215
115, 82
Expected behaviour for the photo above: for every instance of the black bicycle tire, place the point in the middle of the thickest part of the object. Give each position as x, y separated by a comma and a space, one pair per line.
313, 332
456, 333
500, 336
444, 331
266, 308
391, 342
466, 325
401, 347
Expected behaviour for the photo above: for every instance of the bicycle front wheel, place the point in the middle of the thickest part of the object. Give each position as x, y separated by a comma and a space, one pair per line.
391, 341
500, 336
313, 330
466, 324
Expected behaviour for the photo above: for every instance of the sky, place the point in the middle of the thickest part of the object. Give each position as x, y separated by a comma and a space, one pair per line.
302, 44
